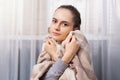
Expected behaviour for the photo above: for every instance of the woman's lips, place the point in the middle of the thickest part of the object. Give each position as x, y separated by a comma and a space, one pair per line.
56, 34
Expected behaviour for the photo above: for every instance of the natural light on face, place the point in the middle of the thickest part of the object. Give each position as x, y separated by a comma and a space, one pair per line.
62, 24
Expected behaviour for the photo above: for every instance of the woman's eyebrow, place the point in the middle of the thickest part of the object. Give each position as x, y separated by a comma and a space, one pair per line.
61, 21
54, 18
65, 22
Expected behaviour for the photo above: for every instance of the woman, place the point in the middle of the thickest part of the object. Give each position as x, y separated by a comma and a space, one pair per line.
65, 51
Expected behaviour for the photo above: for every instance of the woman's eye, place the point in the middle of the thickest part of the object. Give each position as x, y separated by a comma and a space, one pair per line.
54, 21
64, 24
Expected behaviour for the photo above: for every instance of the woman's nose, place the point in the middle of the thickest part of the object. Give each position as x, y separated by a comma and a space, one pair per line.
57, 27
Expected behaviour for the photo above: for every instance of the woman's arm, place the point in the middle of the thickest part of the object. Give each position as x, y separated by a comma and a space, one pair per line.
71, 48
56, 70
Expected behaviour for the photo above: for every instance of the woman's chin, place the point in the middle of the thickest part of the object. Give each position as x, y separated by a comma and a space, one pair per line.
57, 39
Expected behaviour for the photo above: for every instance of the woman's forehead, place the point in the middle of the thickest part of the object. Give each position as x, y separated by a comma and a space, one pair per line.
63, 14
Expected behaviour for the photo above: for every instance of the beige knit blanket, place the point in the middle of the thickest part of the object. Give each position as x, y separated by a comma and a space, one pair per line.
80, 68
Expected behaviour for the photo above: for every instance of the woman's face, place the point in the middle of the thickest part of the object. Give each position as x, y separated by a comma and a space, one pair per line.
62, 23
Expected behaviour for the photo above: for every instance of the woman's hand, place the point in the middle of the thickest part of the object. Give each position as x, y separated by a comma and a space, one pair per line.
51, 49
71, 48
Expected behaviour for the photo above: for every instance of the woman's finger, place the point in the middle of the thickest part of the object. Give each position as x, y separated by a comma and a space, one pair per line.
68, 39
53, 41
74, 38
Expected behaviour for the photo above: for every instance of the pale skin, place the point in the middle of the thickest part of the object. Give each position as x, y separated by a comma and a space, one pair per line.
62, 23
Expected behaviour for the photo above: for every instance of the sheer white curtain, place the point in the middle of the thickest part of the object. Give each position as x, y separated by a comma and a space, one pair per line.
24, 23
20, 37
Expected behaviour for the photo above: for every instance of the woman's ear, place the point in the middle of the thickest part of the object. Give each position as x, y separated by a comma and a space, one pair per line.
48, 29
76, 28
